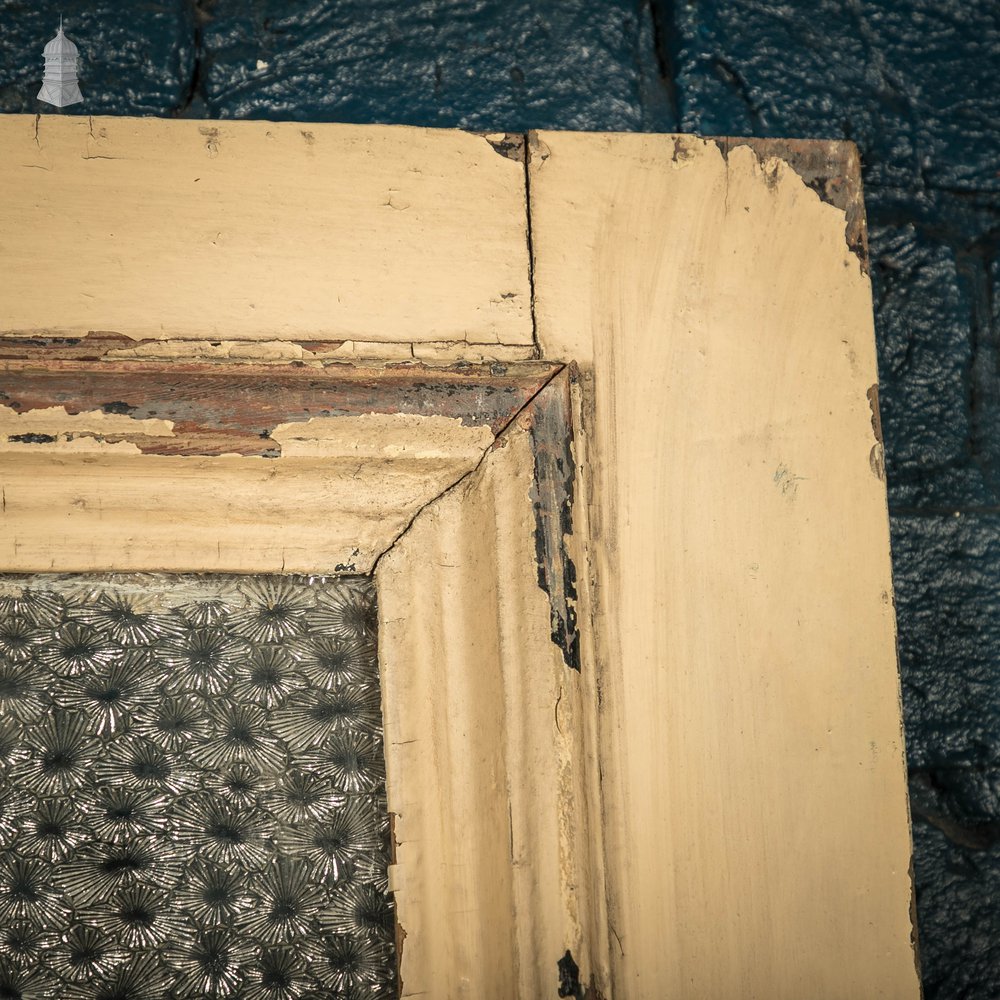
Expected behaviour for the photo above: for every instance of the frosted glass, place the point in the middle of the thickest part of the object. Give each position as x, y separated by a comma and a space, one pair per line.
192, 789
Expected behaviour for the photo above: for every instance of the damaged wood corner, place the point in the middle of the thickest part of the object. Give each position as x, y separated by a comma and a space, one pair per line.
830, 168
510, 145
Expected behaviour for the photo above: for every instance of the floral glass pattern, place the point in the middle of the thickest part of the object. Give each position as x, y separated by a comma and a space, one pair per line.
192, 789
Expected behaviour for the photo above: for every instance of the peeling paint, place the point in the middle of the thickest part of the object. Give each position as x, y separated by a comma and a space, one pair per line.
212, 410
552, 496
32, 438
68, 443
872, 395
385, 437
462, 617
356, 451
53, 423
510, 145
108, 346
832, 169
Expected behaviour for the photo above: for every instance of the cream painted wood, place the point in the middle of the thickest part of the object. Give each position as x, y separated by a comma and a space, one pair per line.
489, 768
165, 229
754, 778
340, 492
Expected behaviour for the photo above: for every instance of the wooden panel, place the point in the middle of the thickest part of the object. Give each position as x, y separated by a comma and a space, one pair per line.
491, 761
206, 409
260, 230
142, 466
754, 778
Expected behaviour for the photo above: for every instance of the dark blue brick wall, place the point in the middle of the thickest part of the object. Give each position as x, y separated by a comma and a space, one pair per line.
913, 82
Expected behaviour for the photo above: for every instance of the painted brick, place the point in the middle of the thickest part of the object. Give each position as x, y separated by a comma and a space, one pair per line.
957, 888
945, 572
913, 83
476, 65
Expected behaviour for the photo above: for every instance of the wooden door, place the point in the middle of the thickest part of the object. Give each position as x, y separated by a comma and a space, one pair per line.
603, 410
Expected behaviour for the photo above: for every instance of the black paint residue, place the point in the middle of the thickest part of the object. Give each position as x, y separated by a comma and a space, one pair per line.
552, 498
569, 976
33, 438
118, 407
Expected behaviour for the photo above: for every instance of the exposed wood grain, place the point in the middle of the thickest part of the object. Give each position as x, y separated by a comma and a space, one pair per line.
754, 780
260, 230
137, 466
215, 410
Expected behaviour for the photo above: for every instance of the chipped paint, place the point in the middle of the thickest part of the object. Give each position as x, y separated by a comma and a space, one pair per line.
99, 430
550, 423
177, 408
872, 395
471, 677
390, 437
510, 145
876, 459
76, 445
108, 346
830, 168
355, 451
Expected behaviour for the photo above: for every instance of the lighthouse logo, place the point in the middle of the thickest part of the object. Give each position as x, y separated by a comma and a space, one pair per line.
59, 84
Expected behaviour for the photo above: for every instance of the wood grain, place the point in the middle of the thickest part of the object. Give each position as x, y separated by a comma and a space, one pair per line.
230, 410
260, 230
137, 466
754, 777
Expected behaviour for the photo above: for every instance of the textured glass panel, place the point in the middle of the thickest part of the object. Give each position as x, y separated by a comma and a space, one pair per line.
192, 790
